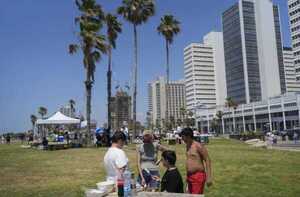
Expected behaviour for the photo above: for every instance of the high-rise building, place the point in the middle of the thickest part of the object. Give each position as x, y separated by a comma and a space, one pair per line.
204, 70
157, 100
149, 121
290, 72
253, 51
279, 46
120, 109
215, 40
294, 14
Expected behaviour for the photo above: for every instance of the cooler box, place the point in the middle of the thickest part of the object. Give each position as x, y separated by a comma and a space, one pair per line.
60, 138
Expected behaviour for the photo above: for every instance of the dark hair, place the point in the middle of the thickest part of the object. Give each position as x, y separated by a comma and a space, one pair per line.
169, 156
118, 135
188, 132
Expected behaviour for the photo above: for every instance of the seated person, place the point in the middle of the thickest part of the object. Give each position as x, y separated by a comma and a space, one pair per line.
115, 159
172, 180
45, 143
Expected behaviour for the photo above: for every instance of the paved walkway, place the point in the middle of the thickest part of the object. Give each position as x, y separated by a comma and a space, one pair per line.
286, 145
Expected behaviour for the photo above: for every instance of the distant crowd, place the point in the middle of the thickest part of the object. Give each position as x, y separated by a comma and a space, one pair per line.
20, 137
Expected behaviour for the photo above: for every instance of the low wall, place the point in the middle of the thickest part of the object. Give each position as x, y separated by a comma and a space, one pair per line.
246, 137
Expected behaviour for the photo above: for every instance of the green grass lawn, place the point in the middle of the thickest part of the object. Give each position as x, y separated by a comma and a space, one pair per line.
239, 170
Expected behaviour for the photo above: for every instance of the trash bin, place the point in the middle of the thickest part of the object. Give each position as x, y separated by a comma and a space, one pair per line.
204, 139
198, 139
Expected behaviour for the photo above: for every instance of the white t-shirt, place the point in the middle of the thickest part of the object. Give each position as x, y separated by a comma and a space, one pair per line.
114, 159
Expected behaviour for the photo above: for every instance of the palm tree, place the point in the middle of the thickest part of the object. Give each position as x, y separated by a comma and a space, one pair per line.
219, 115
172, 122
230, 103
42, 111
92, 45
113, 28
33, 119
179, 122
158, 124
168, 27
190, 119
214, 124
136, 12
183, 113
190, 114
72, 106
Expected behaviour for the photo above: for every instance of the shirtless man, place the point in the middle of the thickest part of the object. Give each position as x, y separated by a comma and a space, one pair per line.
198, 164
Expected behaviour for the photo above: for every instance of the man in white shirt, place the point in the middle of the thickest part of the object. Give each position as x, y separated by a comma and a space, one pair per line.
115, 159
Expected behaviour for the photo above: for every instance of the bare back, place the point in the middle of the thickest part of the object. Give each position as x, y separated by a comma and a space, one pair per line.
194, 160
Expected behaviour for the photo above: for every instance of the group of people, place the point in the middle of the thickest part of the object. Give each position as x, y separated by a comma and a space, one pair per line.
5, 139
198, 164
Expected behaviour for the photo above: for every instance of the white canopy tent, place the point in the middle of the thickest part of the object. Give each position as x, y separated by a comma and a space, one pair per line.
58, 118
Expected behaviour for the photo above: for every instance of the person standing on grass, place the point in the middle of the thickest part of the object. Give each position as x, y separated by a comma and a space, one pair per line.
7, 139
2, 139
171, 180
295, 136
198, 164
115, 159
147, 162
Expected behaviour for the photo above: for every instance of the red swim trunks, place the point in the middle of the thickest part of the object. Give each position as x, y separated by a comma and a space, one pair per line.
196, 182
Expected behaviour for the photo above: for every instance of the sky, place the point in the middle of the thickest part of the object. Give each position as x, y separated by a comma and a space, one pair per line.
36, 69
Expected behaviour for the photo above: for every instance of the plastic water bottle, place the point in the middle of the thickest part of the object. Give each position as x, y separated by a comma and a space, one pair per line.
133, 186
127, 183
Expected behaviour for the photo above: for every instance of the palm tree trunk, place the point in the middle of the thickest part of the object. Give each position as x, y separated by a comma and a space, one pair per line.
88, 86
109, 74
33, 125
168, 62
167, 87
135, 80
220, 126
233, 121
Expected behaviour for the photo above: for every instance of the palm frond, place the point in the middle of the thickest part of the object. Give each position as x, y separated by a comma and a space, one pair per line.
96, 56
137, 11
100, 44
168, 27
113, 28
73, 48
33, 118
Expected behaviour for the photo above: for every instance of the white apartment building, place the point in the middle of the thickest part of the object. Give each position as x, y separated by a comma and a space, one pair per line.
277, 113
294, 14
215, 40
290, 72
150, 106
204, 71
157, 100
